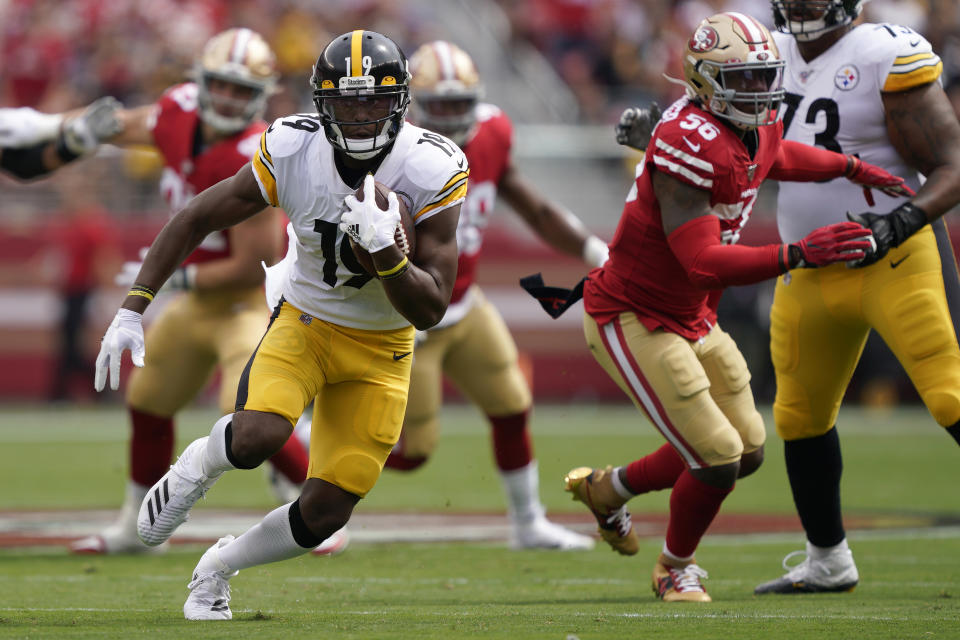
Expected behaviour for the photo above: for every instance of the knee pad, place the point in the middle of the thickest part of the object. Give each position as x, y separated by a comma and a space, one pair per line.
354, 471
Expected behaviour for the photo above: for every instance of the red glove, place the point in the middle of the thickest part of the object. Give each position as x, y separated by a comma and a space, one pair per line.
839, 242
871, 176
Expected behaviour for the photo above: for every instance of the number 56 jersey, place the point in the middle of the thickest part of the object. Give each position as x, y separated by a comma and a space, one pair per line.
834, 102
295, 169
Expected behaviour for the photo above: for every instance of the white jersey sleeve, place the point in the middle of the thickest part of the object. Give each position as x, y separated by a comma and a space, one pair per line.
913, 62
25, 127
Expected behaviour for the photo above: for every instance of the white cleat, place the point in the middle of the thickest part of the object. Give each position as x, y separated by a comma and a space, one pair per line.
833, 573
540, 533
169, 501
209, 597
282, 489
338, 541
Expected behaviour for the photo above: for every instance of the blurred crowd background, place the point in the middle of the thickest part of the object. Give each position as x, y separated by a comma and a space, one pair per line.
562, 69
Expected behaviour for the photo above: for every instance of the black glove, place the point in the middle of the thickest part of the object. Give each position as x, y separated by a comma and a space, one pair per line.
889, 229
636, 126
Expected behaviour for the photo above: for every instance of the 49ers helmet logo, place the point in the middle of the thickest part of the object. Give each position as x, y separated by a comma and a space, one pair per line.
704, 39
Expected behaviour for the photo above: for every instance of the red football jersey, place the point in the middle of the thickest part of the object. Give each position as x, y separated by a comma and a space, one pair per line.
187, 172
643, 275
488, 155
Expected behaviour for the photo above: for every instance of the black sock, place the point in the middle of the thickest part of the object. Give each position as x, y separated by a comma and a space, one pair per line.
954, 430
814, 466
301, 533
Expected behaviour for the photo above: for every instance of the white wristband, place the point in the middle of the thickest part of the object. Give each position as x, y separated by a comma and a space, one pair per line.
595, 251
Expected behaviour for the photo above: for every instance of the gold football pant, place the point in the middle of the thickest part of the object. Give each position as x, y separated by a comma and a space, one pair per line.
359, 380
697, 394
821, 318
479, 356
193, 335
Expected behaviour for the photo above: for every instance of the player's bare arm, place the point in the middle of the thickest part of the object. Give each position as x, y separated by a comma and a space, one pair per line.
561, 229
923, 128
422, 293
253, 240
679, 202
137, 126
223, 205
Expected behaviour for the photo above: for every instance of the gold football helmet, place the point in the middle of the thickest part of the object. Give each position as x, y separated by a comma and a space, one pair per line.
446, 88
242, 59
733, 68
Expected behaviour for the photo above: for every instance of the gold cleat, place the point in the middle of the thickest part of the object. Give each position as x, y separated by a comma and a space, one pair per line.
679, 584
594, 488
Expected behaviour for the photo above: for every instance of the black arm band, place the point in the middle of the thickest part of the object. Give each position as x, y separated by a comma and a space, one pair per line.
24, 163
63, 152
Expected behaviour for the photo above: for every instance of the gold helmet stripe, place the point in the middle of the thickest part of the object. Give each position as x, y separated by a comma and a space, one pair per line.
356, 53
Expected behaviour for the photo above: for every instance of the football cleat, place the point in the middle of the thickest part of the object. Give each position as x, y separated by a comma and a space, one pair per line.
679, 584
209, 597
594, 488
834, 573
540, 533
169, 501
281, 487
113, 540
337, 543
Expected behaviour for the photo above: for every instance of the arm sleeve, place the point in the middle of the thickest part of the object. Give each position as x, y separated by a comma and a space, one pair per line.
712, 265
25, 163
799, 162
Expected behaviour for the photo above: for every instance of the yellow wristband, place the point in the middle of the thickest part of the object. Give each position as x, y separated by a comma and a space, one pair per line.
389, 272
138, 292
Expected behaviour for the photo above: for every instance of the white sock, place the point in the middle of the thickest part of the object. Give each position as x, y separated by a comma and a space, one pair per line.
132, 500
271, 540
215, 459
522, 487
819, 553
677, 560
619, 487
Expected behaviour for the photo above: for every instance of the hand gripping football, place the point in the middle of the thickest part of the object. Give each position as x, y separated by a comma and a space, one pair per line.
405, 236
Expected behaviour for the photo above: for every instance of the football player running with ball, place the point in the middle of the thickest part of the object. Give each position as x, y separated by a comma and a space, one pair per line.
206, 130
871, 90
335, 336
651, 310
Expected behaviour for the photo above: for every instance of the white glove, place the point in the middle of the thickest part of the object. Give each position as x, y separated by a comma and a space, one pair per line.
25, 127
125, 332
83, 134
182, 279
278, 274
370, 226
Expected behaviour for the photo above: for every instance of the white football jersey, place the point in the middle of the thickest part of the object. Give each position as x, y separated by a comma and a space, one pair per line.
295, 170
834, 102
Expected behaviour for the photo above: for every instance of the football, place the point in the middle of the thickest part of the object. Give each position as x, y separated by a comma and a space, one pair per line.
405, 236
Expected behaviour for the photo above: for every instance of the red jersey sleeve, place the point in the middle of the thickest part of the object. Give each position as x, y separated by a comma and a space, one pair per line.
689, 148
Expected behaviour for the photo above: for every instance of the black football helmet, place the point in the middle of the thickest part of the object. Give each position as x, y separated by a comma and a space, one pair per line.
355, 68
809, 19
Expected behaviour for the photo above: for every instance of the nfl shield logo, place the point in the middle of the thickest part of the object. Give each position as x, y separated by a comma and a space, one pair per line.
750, 171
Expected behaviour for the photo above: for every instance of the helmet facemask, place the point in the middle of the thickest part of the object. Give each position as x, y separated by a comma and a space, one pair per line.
748, 94
809, 19
230, 113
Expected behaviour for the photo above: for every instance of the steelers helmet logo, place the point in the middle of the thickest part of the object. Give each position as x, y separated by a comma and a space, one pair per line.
704, 39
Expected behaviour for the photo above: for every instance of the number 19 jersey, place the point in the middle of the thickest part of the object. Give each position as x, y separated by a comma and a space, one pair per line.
296, 171
834, 102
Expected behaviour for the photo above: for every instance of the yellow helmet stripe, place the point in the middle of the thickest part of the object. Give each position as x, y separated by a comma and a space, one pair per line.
356, 53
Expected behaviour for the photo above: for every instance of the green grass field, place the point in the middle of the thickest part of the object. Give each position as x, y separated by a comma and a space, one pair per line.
898, 465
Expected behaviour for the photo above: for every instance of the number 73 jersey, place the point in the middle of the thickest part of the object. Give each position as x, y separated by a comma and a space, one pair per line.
835, 102
296, 171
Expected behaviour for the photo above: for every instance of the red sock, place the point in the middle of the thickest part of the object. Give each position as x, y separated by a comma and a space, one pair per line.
656, 471
151, 447
399, 461
512, 448
292, 460
693, 506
